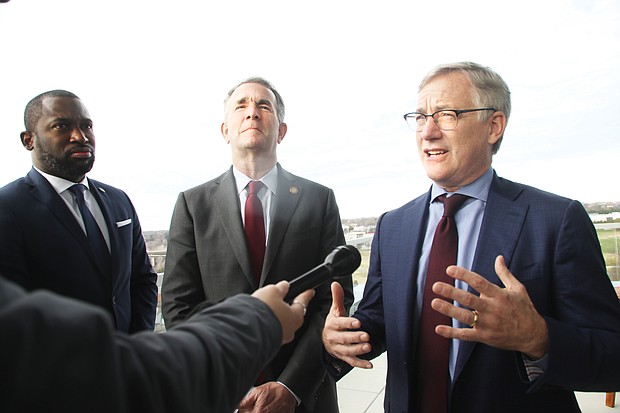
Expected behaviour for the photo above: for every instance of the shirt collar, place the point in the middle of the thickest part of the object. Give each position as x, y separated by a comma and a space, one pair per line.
270, 179
479, 189
60, 185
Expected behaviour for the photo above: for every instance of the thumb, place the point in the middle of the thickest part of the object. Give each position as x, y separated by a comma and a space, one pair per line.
504, 273
338, 309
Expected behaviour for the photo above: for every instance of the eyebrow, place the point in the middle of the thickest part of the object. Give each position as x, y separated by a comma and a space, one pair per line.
259, 102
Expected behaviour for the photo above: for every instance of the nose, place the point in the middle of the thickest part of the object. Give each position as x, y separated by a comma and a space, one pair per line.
430, 129
78, 135
252, 111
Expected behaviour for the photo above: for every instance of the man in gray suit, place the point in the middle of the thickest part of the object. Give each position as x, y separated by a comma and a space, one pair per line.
209, 257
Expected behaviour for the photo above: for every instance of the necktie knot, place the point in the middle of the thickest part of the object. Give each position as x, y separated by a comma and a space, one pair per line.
254, 187
451, 204
78, 190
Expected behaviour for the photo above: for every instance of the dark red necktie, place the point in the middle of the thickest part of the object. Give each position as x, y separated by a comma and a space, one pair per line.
255, 228
432, 370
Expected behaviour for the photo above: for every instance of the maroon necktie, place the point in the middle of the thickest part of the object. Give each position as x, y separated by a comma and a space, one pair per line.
432, 371
255, 228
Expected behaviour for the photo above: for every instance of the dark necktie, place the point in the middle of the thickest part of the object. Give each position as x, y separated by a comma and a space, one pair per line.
432, 371
93, 233
255, 228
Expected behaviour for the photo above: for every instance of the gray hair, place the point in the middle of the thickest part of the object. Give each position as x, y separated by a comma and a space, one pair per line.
279, 102
489, 89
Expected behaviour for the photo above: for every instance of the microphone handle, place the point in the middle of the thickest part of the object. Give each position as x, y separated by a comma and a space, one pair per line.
309, 280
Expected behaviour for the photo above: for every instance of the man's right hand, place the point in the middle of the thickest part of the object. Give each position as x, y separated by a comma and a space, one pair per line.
338, 340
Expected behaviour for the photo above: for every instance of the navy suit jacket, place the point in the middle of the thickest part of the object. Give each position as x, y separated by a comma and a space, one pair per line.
43, 246
550, 246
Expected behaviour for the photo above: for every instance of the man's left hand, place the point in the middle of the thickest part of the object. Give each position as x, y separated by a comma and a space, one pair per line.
506, 317
271, 397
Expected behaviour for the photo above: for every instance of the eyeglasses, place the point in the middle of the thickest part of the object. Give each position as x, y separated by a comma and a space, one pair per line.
444, 119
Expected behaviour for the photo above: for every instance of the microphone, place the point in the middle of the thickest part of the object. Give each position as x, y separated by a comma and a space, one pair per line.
343, 260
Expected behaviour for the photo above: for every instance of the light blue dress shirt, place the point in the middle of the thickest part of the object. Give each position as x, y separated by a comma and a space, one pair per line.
468, 222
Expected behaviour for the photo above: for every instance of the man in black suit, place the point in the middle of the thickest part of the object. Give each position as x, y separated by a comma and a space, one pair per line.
46, 239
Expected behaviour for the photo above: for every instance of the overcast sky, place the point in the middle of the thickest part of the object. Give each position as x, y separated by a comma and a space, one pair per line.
154, 74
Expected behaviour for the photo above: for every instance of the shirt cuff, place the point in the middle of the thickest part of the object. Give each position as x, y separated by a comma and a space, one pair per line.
294, 395
535, 368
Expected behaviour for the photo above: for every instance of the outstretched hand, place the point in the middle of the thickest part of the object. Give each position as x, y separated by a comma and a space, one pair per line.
338, 340
506, 317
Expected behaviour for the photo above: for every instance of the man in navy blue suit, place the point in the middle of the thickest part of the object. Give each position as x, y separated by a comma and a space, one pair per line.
534, 315
45, 238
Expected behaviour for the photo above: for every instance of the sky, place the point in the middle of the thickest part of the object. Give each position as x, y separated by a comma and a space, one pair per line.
154, 74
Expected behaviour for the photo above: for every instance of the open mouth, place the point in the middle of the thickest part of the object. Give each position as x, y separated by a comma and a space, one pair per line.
435, 152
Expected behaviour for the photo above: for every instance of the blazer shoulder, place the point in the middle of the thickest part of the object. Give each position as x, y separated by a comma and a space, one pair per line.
522, 193
227, 178
116, 194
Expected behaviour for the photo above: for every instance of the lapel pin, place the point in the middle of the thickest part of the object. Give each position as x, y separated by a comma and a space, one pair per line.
293, 190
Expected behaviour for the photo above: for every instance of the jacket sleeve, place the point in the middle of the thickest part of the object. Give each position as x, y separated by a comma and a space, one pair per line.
60, 354
182, 288
584, 320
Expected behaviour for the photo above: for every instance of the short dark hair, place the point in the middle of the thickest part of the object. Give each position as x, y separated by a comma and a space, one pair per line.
34, 108
268, 85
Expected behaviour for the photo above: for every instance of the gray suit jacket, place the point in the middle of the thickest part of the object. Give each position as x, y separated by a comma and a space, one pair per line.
207, 259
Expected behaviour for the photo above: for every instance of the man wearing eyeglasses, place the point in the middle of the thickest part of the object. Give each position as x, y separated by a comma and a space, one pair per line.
529, 312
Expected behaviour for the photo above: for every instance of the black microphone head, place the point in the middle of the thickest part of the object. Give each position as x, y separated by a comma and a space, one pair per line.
343, 260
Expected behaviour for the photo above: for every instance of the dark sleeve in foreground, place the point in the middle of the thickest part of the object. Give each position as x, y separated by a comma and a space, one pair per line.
58, 354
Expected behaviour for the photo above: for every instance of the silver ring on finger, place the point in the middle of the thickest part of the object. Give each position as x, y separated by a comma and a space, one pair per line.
301, 304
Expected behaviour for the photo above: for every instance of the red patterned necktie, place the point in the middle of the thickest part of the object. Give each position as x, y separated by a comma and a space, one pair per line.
432, 370
255, 228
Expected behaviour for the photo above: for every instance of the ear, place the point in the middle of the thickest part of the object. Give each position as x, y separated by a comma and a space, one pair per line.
282, 131
224, 130
498, 126
27, 139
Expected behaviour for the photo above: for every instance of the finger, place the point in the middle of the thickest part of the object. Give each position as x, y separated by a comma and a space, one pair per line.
283, 287
304, 298
338, 309
450, 292
357, 362
475, 281
504, 273
463, 315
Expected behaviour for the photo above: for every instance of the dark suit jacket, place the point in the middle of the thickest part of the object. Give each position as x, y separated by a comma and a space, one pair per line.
62, 355
207, 259
43, 246
551, 246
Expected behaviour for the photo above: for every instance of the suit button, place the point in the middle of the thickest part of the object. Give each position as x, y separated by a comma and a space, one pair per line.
114, 300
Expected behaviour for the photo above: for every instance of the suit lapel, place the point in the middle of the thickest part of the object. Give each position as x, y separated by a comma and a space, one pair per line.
227, 204
43, 191
405, 291
501, 226
287, 198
